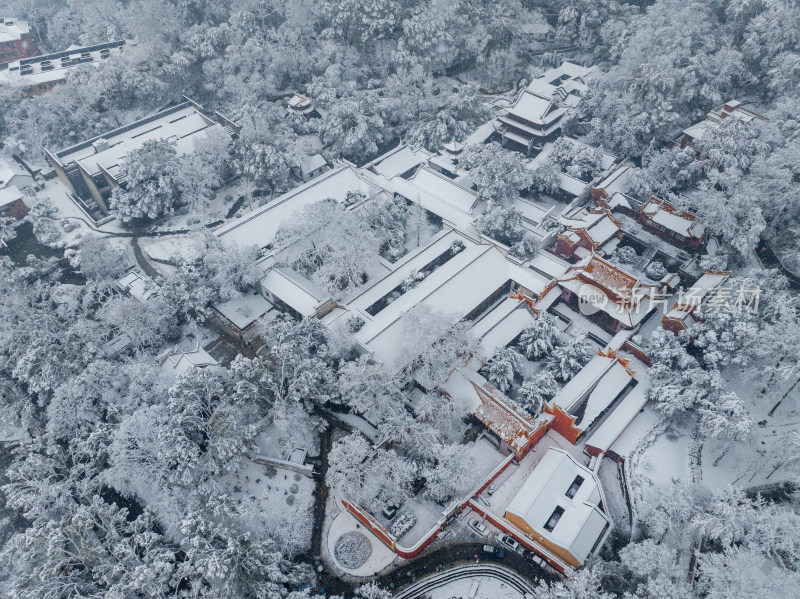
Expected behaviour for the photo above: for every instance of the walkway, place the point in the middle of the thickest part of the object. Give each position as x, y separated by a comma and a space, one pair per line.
485, 572
461, 554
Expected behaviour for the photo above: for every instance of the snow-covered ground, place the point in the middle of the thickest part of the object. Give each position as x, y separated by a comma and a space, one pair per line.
476, 587
342, 523
615, 500
275, 501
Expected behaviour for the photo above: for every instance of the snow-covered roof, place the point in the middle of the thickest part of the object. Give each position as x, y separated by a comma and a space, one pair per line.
12, 29
733, 109
50, 68
618, 420
294, 290
244, 310
177, 362
616, 181
548, 96
530, 211
666, 215
455, 288
308, 164
436, 184
693, 297
597, 224
573, 394
260, 226
536, 109
6, 173
9, 194
184, 124
627, 295
505, 418
456, 205
136, 286
453, 146
502, 325
546, 492
619, 200
399, 160
300, 104
549, 265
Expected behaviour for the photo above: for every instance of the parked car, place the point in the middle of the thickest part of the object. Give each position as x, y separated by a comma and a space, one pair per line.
492, 550
478, 526
531, 557
508, 541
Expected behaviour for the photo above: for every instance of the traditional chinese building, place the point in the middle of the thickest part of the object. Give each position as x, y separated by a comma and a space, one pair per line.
622, 301
561, 506
537, 114
615, 182
586, 230
678, 227
515, 428
733, 109
589, 394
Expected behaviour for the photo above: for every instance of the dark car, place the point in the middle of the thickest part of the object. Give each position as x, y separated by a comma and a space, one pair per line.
492, 550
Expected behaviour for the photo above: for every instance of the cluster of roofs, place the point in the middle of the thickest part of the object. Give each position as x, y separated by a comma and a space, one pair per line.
37, 74
473, 279
12, 177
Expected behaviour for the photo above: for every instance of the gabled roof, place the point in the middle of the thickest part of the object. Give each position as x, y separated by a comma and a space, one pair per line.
295, 290
679, 221
596, 224
626, 293
9, 194
505, 418
590, 392
260, 226
692, 298
583, 519
548, 96
616, 180
400, 160
733, 109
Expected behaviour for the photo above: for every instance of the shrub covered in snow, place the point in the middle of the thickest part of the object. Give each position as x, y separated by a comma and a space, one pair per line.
626, 254
403, 524
352, 549
656, 270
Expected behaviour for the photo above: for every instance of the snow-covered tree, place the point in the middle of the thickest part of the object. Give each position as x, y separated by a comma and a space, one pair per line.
499, 174
533, 393
433, 344
100, 260
539, 338
502, 224
505, 365
576, 159
567, 360
452, 475
333, 245
152, 186
232, 270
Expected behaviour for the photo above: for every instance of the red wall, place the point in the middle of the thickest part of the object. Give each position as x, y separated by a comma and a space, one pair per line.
16, 209
563, 423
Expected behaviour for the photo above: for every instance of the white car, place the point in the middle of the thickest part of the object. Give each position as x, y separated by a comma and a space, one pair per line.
508, 541
478, 526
